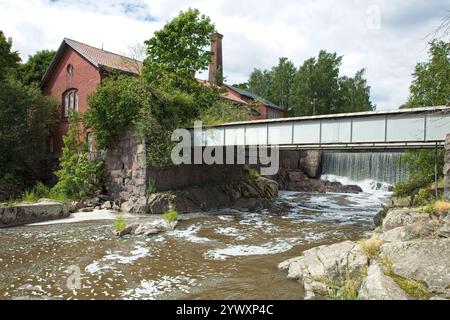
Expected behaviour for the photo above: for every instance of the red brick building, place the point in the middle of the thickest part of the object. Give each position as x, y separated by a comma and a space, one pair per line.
78, 69
75, 73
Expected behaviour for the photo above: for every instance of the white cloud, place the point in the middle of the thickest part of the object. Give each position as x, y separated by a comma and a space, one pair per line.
257, 32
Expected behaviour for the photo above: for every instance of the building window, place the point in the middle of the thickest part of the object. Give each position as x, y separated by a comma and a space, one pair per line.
272, 114
70, 102
89, 141
70, 69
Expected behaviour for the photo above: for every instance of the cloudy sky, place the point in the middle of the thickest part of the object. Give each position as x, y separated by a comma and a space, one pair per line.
387, 37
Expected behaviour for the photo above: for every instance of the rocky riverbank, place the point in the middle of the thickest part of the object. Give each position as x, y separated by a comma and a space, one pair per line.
406, 258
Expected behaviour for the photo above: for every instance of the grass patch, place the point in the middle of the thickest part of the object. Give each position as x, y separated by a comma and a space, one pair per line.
120, 224
344, 287
251, 172
415, 288
171, 215
371, 247
442, 206
151, 188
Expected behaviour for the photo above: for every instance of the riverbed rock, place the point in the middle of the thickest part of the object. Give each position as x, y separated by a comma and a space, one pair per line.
330, 262
297, 180
378, 286
106, 205
425, 259
155, 227
250, 193
401, 217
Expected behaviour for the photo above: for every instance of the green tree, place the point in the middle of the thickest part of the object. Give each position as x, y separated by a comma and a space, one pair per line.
9, 60
316, 86
431, 79
34, 69
260, 82
179, 50
282, 77
354, 94
25, 119
430, 87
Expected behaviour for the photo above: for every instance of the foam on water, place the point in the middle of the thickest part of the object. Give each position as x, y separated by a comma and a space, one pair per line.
189, 234
95, 215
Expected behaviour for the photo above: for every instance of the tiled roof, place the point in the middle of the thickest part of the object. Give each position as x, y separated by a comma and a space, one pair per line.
98, 57
102, 58
253, 96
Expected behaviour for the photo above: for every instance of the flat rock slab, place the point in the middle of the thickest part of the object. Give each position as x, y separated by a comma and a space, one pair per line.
32, 212
378, 286
427, 260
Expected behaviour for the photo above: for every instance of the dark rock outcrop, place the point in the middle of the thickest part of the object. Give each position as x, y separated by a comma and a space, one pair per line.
249, 193
297, 180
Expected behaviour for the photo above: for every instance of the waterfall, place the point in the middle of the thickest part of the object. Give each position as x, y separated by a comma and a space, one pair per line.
386, 167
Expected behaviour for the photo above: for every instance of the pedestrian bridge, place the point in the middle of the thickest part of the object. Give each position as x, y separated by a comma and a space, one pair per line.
396, 129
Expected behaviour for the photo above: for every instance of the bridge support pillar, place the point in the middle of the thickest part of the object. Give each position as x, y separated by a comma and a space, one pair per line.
447, 168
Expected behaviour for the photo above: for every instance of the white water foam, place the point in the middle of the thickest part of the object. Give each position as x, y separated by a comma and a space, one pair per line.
368, 185
95, 215
274, 247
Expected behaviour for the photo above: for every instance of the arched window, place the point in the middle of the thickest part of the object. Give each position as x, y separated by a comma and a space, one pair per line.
89, 141
70, 102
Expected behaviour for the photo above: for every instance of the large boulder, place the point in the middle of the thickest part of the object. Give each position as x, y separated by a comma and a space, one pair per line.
426, 260
378, 286
401, 217
317, 266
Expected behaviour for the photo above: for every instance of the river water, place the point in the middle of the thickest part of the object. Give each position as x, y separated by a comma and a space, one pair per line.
226, 254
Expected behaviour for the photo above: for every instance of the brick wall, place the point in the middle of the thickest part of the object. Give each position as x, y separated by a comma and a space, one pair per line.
85, 78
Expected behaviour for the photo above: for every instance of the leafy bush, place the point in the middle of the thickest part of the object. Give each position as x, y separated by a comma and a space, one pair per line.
423, 197
171, 215
78, 175
420, 168
113, 107
120, 223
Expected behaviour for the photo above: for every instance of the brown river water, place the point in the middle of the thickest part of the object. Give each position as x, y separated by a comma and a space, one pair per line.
225, 254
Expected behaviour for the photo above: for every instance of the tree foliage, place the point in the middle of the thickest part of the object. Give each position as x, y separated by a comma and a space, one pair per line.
113, 107
25, 119
430, 87
34, 69
179, 50
431, 79
314, 88
9, 60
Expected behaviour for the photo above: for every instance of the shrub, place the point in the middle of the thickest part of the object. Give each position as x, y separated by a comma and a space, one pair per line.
120, 224
171, 215
30, 196
423, 197
78, 175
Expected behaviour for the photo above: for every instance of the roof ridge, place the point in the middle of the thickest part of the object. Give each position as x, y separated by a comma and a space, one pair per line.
106, 51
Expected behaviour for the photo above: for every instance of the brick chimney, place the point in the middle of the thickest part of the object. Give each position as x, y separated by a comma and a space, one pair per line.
216, 66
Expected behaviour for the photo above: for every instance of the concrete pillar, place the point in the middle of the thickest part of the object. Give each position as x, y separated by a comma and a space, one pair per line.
447, 168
